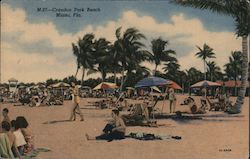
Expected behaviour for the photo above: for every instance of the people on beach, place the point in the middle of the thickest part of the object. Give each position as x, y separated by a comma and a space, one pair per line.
5, 113
172, 100
28, 136
76, 101
5, 148
114, 130
6, 127
20, 140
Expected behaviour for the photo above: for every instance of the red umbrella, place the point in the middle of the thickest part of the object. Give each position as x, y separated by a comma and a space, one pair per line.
174, 85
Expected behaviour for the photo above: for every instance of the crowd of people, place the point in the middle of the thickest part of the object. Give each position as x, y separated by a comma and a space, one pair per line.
16, 138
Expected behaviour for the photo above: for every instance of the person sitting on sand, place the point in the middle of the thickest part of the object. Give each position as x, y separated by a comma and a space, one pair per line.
192, 107
112, 131
12, 139
5, 148
5, 113
24, 126
20, 141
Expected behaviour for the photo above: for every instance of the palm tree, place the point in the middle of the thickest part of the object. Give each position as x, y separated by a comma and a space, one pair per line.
233, 68
84, 53
171, 69
159, 52
205, 53
213, 71
101, 53
115, 65
129, 50
76, 53
193, 76
240, 11
182, 79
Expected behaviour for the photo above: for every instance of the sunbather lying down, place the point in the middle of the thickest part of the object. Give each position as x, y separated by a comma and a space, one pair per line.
191, 107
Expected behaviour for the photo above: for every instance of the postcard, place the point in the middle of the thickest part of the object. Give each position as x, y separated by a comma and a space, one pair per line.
127, 79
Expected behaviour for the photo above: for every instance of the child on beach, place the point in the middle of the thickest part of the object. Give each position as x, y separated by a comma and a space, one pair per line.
112, 131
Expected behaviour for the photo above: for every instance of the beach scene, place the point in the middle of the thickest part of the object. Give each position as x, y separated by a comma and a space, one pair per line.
124, 79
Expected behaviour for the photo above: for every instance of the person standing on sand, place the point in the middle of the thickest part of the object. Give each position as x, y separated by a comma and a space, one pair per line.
5, 113
76, 101
172, 100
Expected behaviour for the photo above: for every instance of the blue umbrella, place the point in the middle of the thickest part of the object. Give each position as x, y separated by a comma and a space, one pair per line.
152, 81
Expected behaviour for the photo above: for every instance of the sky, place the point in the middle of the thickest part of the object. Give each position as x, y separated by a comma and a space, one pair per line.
37, 45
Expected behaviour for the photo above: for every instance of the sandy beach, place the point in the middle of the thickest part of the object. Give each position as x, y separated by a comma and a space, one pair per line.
216, 136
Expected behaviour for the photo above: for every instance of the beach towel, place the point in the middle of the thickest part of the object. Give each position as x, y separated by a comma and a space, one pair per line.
35, 152
149, 136
5, 149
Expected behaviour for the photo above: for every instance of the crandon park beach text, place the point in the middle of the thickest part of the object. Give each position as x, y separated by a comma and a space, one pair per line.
69, 12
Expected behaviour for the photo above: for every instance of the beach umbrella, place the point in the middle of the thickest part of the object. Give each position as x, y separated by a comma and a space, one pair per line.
105, 85
174, 85
60, 84
156, 89
130, 88
86, 87
205, 83
152, 81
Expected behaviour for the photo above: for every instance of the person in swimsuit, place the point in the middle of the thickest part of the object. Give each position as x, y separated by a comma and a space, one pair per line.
114, 130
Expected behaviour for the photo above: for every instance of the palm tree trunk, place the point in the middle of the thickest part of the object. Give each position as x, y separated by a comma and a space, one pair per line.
155, 69
123, 70
77, 69
244, 76
103, 76
205, 77
115, 77
83, 73
235, 86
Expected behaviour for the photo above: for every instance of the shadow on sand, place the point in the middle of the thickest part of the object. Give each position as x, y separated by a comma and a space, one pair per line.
56, 121
186, 118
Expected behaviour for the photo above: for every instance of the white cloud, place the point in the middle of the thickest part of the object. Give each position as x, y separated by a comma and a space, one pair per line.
38, 67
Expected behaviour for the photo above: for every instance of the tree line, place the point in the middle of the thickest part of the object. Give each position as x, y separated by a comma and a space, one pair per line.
127, 53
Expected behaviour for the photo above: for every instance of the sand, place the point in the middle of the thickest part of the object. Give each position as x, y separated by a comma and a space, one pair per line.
221, 137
